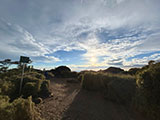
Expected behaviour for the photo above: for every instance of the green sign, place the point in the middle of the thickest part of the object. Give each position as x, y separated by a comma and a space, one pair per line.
24, 59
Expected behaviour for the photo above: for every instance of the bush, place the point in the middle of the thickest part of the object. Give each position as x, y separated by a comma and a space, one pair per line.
27, 88
69, 74
116, 87
7, 111
7, 88
96, 81
121, 90
72, 75
147, 98
61, 71
19, 109
93, 81
133, 71
44, 89
31, 86
24, 109
50, 75
12, 108
30, 89
37, 75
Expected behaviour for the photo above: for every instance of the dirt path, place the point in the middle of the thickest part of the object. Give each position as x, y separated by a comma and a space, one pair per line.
69, 102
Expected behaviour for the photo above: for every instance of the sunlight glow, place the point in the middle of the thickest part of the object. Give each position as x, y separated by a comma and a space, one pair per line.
93, 60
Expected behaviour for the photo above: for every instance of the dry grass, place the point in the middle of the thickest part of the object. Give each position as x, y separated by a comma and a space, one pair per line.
116, 87
98, 80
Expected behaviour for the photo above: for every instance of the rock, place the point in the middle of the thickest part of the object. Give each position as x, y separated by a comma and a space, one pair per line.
38, 100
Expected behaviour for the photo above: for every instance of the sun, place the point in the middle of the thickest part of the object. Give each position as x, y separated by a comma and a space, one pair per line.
93, 60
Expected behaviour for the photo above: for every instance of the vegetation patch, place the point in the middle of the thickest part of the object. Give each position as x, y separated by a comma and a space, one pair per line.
34, 84
19, 109
147, 99
116, 87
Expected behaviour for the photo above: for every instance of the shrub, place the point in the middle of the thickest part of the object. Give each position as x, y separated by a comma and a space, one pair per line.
7, 88
121, 90
27, 88
7, 111
44, 89
19, 109
69, 74
31, 86
24, 109
30, 89
73, 75
147, 98
50, 75
61, 71
133, 71
93, 81
32, 79
116, 87
36, 75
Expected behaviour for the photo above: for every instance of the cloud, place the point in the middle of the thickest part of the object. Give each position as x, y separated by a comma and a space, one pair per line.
141, 61
21, 42
109, 31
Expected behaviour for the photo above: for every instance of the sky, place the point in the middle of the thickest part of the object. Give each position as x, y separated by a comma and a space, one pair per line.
81, 34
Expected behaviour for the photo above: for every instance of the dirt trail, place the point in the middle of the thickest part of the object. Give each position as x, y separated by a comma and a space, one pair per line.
69, 102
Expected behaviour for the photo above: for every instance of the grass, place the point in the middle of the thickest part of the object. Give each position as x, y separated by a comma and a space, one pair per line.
116, 87
98, 80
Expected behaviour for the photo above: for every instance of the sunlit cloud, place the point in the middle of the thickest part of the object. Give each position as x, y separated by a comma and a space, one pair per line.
109, 32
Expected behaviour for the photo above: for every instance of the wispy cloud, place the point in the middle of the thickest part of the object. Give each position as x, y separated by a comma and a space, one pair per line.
21, 42
109, 31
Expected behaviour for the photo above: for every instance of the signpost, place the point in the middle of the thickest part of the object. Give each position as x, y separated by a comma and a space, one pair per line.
24, 60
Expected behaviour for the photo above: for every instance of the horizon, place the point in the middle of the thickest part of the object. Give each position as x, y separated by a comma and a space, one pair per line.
82, 34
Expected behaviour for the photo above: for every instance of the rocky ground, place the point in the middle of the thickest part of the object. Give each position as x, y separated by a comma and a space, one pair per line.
70, 102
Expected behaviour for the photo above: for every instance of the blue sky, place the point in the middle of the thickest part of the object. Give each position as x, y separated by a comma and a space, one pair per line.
82, 34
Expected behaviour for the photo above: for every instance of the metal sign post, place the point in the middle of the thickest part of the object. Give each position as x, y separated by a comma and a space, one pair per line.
23, 60
21, 79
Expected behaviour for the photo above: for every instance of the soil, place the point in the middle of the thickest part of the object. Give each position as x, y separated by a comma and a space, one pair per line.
70, 102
